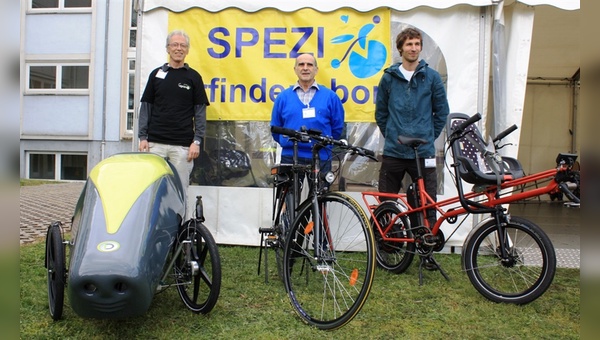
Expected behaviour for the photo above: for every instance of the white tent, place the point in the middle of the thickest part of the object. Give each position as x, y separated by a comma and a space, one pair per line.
476, 38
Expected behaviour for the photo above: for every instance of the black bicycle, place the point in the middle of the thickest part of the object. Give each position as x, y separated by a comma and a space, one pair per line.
329, 251
287, 189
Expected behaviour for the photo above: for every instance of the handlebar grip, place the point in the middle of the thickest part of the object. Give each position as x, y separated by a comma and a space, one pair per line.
505, 133
369, 153
474, 118
284, 131
314, 132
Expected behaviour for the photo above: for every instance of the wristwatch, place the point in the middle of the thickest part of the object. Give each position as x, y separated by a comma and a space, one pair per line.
197, 142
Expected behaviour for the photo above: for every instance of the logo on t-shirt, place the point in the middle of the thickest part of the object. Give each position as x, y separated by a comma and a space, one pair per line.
184, 86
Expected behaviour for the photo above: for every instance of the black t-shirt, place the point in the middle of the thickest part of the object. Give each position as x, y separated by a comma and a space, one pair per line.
173, 94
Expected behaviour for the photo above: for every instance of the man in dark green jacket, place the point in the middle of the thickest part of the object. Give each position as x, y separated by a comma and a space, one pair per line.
411, 101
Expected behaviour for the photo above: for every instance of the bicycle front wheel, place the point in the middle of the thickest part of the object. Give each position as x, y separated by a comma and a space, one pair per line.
521, 276
283, 221
327, 288
198, 268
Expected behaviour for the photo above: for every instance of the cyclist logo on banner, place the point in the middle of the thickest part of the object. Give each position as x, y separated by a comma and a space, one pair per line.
376, 52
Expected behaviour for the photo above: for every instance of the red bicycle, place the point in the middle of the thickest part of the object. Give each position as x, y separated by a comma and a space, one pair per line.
507, 258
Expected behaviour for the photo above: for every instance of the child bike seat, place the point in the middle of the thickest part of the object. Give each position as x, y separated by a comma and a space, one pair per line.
469, 151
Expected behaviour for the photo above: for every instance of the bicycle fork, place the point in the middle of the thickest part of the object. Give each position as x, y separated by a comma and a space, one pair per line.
504, 242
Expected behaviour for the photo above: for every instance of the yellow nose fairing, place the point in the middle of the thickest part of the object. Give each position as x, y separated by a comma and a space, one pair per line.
121, 179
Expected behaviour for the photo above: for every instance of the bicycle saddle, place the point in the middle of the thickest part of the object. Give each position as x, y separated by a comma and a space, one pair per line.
411, 141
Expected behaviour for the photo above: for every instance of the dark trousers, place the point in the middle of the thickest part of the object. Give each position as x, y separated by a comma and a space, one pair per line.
392, 172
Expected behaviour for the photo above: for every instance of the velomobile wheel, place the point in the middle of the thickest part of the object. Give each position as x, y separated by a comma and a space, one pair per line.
198, 268
55, 264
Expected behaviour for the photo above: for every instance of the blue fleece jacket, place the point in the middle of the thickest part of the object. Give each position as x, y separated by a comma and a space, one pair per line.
415, 108
329, 119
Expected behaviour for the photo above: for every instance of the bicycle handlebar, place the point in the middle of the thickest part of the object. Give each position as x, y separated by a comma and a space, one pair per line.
474, 118
302, 135
316, 135
505, 133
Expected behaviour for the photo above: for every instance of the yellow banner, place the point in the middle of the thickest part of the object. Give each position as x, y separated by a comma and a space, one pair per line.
246, 59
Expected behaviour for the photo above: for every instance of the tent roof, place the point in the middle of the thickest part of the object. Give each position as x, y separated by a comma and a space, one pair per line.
555, 43
331, 5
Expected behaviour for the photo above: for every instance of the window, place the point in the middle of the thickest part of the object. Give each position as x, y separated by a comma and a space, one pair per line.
57, 166
133, 27
130, 95
60, 4
129, 88
57, 78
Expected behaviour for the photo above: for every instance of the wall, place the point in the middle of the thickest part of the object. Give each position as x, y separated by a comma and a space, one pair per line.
545, 130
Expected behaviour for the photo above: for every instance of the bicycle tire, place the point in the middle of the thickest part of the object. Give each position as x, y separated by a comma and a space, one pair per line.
341, 280
198, 280
282, 224
521, 278
394, 257
56, 271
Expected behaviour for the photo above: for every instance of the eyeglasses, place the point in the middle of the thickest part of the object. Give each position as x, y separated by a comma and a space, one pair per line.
176, 45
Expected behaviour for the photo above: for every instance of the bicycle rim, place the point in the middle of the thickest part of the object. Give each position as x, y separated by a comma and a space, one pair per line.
198, 269
329, 291
394, 257
55, 263
520, 278
283, 224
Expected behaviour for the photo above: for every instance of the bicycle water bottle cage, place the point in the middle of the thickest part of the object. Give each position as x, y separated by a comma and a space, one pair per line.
468, 153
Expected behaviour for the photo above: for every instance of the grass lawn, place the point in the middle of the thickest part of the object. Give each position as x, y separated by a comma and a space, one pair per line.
248, 308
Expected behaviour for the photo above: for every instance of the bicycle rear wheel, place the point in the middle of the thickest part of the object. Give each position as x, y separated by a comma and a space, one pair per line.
524, 275
394, 257
56, 265
198, 268
328, 291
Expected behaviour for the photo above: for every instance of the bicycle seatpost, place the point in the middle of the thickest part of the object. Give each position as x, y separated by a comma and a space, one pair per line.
414, 143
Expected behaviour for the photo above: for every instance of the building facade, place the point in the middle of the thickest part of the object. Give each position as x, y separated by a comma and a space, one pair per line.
77, 69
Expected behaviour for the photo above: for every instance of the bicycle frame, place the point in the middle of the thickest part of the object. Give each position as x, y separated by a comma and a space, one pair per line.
451, 208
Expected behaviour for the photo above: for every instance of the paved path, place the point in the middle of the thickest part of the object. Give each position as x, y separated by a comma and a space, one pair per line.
44, 204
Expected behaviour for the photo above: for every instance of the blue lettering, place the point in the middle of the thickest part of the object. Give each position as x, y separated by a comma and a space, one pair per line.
334, 87
275, 91
258, 92
262, 90
250, 37
269, 41
320, 41
242, 89
240, 43
295, 52
219, 42
365, 96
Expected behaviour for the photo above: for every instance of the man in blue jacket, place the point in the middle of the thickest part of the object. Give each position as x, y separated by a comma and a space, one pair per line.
311, 105
411, 101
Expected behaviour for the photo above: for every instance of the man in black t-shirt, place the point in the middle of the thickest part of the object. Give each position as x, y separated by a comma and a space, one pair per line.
173, 109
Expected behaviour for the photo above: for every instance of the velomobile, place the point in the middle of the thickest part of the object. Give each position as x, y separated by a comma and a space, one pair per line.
129, 241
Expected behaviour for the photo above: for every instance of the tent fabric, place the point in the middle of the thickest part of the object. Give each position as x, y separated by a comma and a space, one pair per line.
331, 5
468, 84
320, 5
